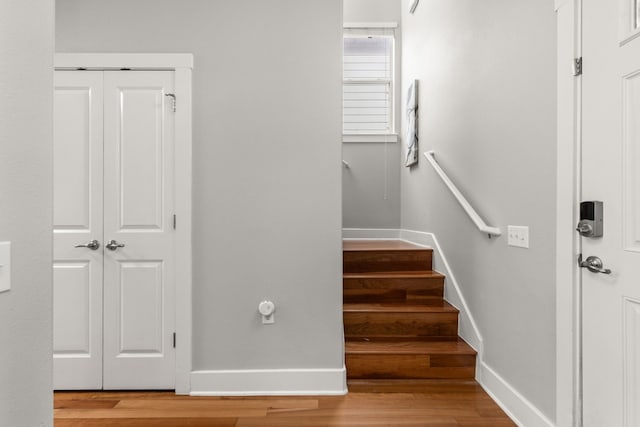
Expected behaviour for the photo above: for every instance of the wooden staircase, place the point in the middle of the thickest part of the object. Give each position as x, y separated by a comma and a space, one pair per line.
397, 324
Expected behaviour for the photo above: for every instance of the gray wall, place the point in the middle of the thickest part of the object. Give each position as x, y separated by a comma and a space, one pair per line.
266, 169
488, 108
26, 81
372, 11
371, 187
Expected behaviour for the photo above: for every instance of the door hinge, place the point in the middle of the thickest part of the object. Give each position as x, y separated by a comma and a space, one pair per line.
577, 66
173, 98
174, 221
174, 340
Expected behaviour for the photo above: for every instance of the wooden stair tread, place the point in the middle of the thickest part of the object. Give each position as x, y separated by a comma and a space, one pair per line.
412, 385
436, 306
380, 245
426, 274
457, 347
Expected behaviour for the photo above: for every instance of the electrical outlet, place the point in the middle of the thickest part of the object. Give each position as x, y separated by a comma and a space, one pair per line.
518, 236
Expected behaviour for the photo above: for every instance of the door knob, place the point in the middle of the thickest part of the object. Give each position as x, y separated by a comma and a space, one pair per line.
112, 245
93, 245
593, 264
584, 228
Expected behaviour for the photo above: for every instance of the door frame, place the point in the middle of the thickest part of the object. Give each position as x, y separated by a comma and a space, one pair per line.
569, 189
182, 65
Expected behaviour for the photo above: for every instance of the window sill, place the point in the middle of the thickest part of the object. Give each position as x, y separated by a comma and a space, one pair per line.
390, 137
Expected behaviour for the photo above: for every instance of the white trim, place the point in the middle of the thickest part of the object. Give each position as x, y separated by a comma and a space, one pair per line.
515, 405
391, 137
386, 30
568, 287
182, 65
183, 208
560, 3
270, 382
350, 25
156, 61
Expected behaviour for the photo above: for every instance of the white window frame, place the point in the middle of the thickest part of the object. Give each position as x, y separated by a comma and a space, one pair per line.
384, 29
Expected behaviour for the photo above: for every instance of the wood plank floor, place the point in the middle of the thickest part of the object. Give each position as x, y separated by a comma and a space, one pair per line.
445, 403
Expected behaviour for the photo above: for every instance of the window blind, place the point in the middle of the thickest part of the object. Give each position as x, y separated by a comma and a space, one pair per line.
368, 81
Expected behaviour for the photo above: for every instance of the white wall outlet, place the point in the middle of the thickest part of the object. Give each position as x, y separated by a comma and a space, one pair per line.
518, 236
5, 266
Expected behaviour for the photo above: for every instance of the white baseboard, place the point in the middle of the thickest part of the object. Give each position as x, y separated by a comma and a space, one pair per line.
269, 382
516, 406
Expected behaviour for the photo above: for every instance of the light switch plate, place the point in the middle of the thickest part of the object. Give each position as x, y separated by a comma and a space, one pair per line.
5, 266
518, 236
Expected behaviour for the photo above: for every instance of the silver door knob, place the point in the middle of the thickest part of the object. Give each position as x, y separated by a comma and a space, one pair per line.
93, 245
594, 265
112, 245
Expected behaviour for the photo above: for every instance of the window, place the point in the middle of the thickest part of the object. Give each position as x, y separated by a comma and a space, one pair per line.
368, 82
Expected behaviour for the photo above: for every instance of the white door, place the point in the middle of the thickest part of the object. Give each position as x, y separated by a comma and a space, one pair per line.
139, 314
122, 304
611, 173
77, 220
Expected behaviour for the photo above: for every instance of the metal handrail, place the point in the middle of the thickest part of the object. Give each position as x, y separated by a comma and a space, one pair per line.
477, 220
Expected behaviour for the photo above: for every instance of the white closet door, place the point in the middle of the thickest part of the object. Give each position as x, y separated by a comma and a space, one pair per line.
139, 308
77, 219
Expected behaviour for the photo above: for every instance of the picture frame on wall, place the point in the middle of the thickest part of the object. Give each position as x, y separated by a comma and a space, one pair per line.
411, 138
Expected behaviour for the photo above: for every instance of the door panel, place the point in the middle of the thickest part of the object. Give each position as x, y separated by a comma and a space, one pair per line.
72, 327
73, 149
611, 144
631, 141
140, 168
141, 308
631, 351
139, 277
77, 205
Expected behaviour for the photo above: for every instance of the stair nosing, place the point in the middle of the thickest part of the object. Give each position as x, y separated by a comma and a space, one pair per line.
402, 348
398, 308
417, 274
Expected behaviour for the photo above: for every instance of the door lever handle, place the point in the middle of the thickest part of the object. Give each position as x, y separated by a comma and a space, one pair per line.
93, 245
112, 245
593, 264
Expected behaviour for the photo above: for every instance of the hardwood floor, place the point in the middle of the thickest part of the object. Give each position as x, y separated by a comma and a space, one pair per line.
445, 403
406, 364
